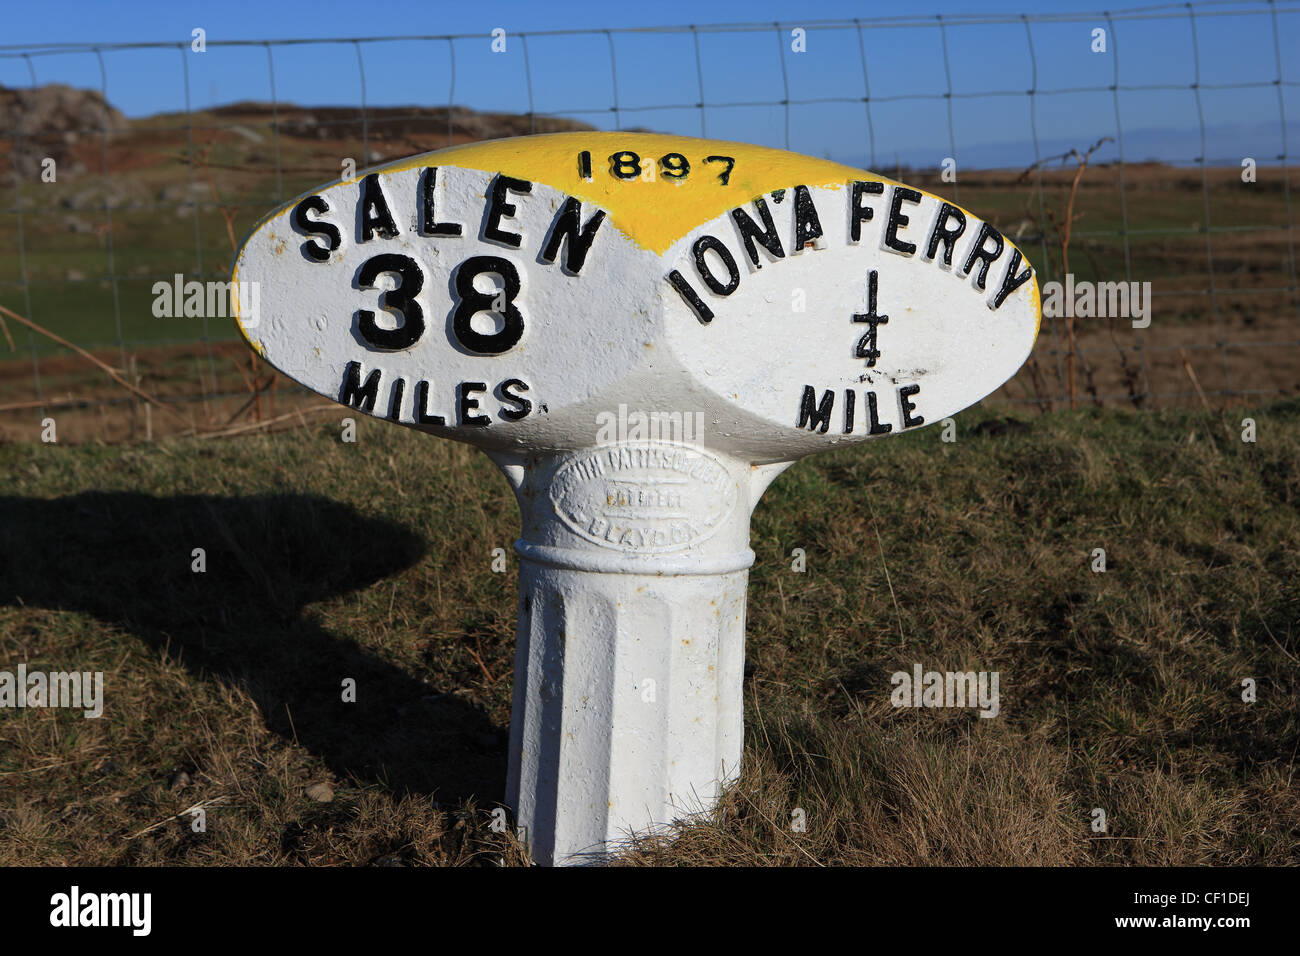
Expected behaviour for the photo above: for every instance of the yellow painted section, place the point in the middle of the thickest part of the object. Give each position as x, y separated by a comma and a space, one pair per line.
1038, 307
653, 214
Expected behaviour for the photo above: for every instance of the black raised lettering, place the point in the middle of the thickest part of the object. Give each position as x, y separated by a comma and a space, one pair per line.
947, 236
577, 238
858, 213
471, 302
850, 400
519, 407
703, 245
400, 300
422, 415
465, 405
867, 345
375, 216
807, 227
981, 255
395, 403
873, 411
499, 207
312, 249
904, 394
354, 393
429, 224
625, 164
811, 413
897, 219
675, 165
1010, 281
749, 231
691, 297
724, 177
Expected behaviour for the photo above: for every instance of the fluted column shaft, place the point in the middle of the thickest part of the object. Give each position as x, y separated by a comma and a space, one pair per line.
630, 650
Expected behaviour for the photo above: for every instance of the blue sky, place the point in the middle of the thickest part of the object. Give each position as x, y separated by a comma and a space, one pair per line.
572, 75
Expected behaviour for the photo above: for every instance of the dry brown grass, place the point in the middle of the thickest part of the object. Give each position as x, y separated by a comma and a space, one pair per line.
1120, 691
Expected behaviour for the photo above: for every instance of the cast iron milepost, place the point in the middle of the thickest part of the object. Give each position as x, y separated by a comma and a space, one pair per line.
642, 331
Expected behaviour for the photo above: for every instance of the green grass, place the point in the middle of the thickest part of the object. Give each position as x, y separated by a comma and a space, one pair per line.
1120, 691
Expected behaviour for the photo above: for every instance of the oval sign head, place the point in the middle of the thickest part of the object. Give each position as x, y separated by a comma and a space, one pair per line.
642, 331
510, 293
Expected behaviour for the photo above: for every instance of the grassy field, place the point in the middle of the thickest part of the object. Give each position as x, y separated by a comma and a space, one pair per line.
1120, 690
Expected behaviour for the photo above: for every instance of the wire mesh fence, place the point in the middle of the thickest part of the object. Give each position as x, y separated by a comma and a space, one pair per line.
1209, 224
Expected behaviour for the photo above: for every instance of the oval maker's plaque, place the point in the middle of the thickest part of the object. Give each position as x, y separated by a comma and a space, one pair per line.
644, 497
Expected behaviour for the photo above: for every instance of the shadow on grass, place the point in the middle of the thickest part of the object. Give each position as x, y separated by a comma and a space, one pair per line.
126, 559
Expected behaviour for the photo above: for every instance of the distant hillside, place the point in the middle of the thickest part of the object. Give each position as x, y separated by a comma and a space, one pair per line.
67, 124
393, 123
53, 118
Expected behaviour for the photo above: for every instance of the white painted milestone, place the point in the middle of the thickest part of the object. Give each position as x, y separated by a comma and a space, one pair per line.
642, 331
